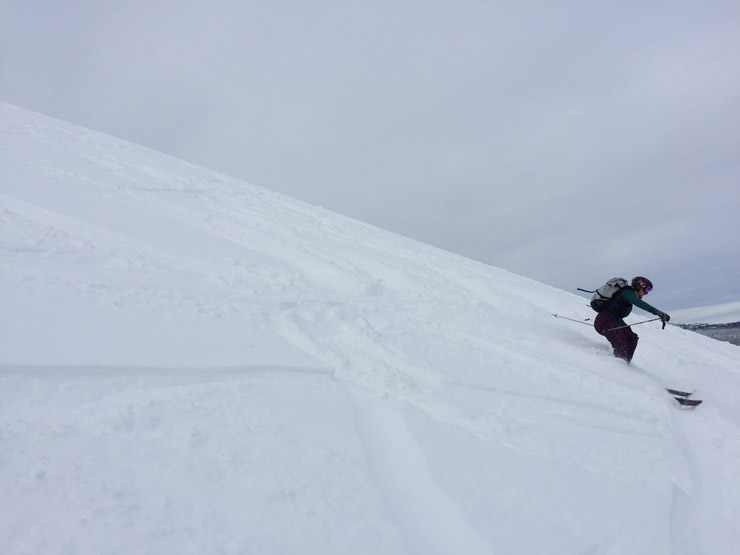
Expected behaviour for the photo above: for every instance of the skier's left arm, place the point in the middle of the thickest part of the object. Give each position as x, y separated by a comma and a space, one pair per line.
632, 297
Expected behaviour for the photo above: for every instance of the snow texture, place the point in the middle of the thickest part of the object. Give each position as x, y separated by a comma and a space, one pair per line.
191, 364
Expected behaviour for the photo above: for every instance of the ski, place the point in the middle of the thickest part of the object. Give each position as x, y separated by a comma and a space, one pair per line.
684, 402
677, 393
683, 397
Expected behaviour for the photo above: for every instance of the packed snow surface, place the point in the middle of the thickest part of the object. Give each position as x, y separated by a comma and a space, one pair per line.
191, 364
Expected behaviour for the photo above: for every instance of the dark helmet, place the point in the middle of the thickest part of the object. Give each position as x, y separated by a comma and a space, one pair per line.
643, 283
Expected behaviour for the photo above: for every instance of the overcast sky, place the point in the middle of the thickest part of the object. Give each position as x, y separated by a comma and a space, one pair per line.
569, 142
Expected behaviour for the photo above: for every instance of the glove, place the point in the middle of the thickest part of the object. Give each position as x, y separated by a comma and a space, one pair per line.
663, 317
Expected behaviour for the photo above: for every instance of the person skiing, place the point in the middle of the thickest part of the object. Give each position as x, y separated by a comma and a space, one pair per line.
610, 320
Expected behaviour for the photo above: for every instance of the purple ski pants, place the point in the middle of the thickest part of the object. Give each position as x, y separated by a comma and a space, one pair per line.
623, 340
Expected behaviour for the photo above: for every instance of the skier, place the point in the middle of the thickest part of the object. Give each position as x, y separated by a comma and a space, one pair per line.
609, 322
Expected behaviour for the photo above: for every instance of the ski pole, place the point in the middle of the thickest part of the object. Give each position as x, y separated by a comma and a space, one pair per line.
630, 325
572, 320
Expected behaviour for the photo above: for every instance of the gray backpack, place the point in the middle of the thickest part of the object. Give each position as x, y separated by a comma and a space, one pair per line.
604, 294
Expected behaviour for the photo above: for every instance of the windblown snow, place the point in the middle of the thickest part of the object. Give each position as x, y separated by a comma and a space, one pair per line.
192, 364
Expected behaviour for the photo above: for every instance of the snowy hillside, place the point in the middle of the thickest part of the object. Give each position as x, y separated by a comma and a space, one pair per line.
190, 364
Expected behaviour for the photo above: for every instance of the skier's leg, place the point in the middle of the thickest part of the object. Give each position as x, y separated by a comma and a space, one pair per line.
631, 339
622, 344
603, 324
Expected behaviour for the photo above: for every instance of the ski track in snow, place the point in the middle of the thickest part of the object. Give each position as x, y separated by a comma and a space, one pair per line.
704, 516
400, 468
335, 387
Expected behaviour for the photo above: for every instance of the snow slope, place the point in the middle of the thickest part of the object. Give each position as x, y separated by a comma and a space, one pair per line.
191, 364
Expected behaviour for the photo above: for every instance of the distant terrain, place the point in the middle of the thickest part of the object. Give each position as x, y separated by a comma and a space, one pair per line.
721, 332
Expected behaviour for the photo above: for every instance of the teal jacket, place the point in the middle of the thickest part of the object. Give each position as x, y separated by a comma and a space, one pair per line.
620, 305
631, 297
